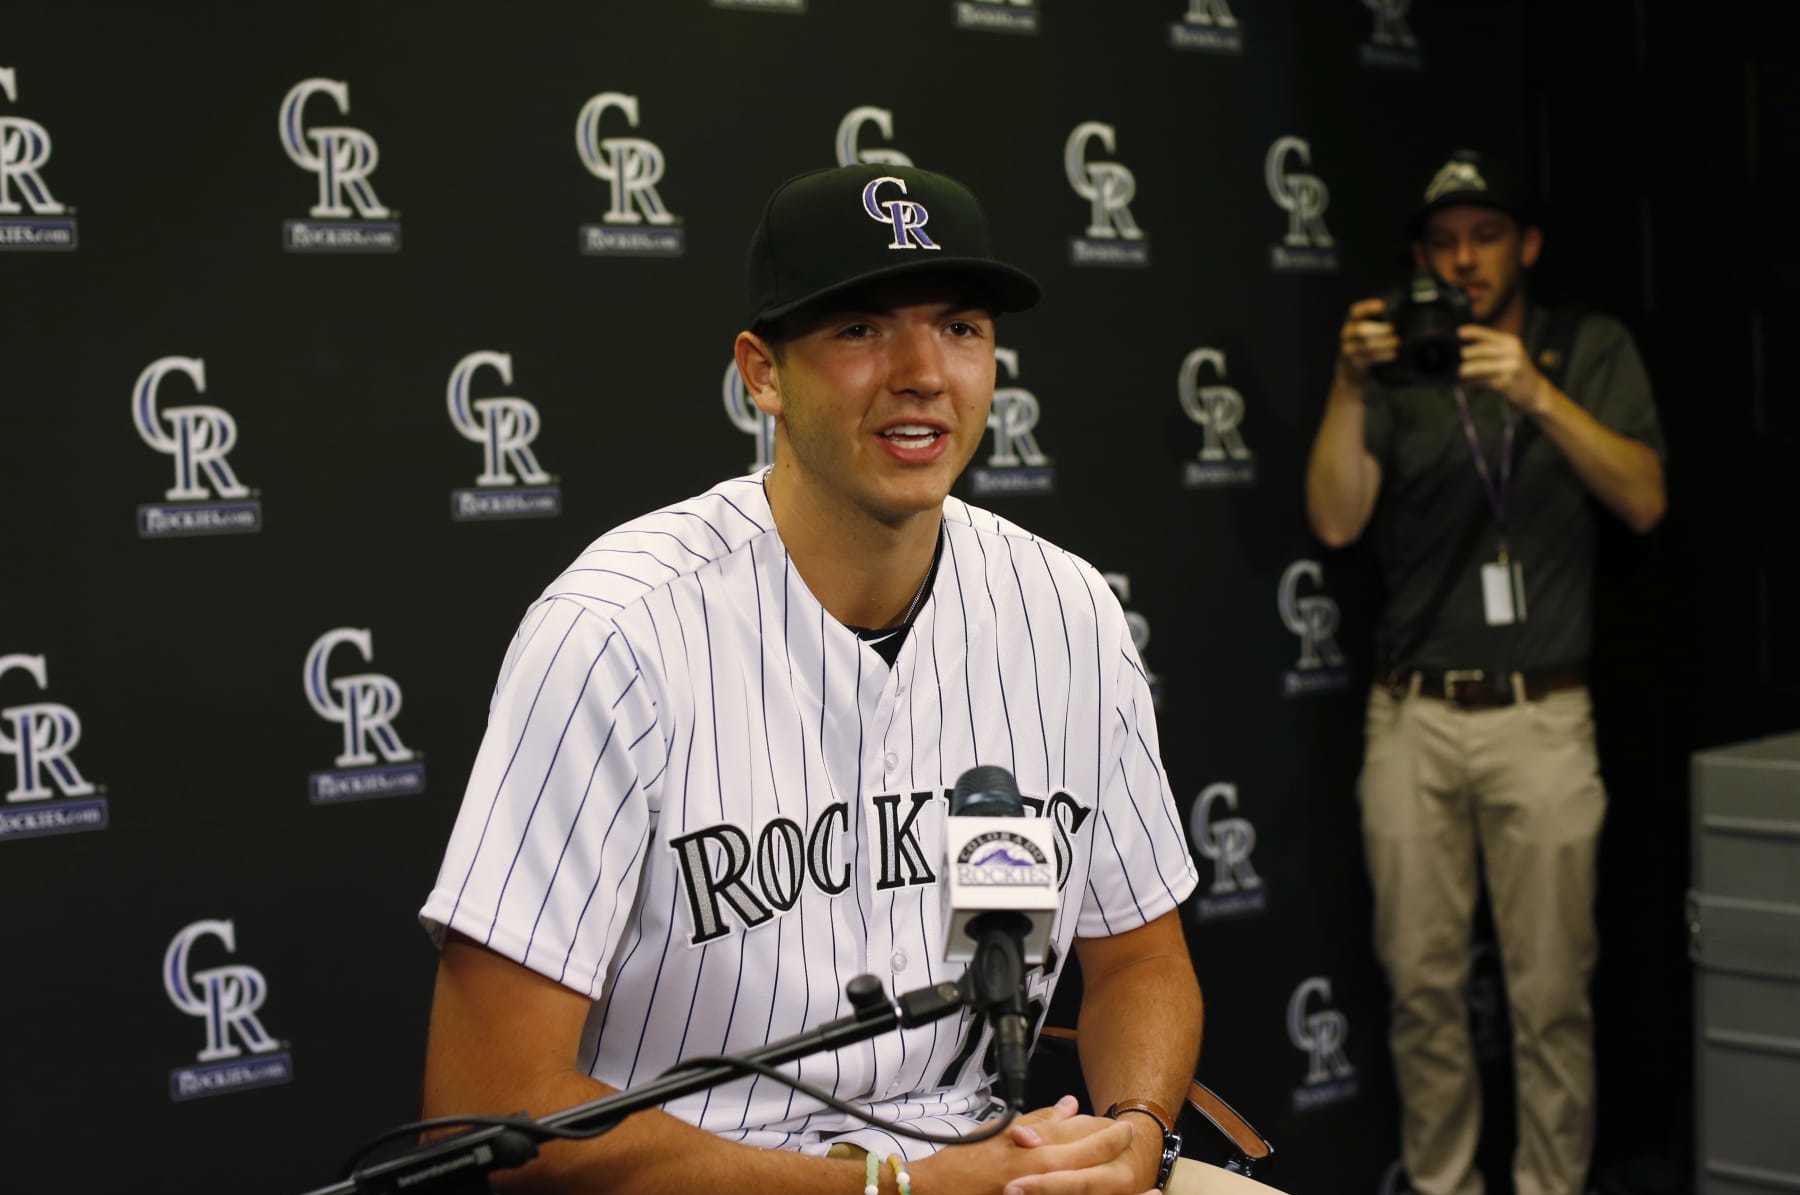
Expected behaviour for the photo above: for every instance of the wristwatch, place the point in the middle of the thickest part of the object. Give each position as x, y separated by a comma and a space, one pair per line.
1171, 1139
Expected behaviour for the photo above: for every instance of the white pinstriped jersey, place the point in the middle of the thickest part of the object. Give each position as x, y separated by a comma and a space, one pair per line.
706, 804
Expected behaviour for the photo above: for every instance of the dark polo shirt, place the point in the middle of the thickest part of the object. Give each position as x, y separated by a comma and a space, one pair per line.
1430, 493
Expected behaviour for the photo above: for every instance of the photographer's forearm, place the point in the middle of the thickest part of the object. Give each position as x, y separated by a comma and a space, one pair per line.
1342, 479
1623, 473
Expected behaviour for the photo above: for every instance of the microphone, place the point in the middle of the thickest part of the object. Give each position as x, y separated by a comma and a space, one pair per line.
1000, 905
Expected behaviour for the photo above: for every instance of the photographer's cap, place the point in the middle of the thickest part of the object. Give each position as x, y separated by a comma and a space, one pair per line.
829, 230
1471, 177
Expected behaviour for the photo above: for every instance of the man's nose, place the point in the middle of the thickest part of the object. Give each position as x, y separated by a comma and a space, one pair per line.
917, 365
1465, 255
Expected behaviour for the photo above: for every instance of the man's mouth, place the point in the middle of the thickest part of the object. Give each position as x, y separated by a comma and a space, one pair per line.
911, 435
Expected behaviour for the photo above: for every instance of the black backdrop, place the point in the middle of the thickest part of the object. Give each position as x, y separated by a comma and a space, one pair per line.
181, 655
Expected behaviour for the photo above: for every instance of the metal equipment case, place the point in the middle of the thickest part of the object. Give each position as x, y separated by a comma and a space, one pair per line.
1744, 922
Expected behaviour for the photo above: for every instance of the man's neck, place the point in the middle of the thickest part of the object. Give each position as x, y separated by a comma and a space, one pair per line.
863, 570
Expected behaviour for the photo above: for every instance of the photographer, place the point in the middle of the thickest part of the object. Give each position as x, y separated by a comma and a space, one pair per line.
1485, 425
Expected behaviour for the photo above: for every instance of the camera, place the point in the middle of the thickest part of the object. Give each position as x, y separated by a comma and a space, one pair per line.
1425, 315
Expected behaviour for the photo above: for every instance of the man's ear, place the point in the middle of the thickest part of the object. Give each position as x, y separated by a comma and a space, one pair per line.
1531, 243
756, 365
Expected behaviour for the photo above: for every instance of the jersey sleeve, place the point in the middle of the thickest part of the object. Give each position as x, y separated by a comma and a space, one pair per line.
1607, 376
1142, 867
551, 838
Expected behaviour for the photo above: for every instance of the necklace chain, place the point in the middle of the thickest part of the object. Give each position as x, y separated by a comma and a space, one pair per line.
918, 598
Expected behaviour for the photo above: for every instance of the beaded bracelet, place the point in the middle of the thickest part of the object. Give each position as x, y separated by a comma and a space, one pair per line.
901, 1176
871, 1172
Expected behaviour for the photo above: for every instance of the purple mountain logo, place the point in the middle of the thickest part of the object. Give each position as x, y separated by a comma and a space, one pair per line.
1000, 855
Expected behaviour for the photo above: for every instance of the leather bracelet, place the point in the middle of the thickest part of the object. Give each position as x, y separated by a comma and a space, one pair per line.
1150, 1108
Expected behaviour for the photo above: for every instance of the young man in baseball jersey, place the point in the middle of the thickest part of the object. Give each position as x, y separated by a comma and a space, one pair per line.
712, 785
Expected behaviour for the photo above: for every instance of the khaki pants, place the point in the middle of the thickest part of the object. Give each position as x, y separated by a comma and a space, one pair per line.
1517, 791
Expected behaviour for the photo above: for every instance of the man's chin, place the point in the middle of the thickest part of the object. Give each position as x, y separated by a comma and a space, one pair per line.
900, 504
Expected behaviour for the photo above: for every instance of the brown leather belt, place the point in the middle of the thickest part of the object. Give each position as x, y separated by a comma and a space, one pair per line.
1474, 689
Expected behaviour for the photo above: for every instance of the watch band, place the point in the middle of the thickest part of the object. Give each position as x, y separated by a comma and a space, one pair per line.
1149, 1108
1170, 1155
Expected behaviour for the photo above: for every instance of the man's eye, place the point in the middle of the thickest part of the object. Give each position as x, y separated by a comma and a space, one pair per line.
963, 328
856, 331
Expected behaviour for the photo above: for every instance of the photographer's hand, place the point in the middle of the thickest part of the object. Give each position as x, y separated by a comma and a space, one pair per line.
1367, 340
1624, 473
1499, 360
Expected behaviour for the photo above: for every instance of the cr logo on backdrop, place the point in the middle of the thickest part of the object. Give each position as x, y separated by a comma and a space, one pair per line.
636, 223
1227, 841
849, 134
207, 497
1113, 237
906, 217
374, 762
24, 151
747, 417
226, 998
1017, 465
1307, 247
1318, 1031
1218, 409
349, 217
41, 737
1207, 25
1139, 628
511, 485
1391, 44
996, 16
1313, 616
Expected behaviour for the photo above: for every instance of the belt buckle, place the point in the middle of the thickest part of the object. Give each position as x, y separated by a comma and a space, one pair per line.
1457, 676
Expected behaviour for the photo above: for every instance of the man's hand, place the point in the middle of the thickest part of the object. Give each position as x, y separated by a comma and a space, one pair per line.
1499, 360
1050, 1151
1367, 340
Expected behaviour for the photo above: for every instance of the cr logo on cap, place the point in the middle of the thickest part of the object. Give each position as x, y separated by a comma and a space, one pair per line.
907, 218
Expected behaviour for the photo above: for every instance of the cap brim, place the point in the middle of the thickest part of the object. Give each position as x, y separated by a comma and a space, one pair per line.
1005, 288
1416, 225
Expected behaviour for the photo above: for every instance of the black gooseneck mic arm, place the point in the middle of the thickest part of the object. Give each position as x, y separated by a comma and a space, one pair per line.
461, 1163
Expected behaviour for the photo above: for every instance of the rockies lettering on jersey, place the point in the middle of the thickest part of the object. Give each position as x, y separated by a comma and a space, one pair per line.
704, 803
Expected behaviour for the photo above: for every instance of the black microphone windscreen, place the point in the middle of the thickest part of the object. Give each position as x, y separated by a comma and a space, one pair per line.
986, 792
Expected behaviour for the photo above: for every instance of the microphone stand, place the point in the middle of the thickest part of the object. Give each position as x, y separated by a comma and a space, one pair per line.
462, 1162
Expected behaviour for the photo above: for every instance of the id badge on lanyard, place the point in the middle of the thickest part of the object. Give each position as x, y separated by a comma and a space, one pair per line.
1502, 580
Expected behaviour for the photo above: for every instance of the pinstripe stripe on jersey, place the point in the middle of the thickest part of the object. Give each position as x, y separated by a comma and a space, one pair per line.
1037, 684
1012, 747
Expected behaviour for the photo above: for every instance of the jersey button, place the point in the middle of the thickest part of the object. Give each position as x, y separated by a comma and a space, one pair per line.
891, 760
899, 961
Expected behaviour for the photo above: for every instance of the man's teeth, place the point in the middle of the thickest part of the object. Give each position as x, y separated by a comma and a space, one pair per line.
912, 435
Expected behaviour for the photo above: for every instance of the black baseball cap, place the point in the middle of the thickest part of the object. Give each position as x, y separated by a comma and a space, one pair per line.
1469, 176
828, 231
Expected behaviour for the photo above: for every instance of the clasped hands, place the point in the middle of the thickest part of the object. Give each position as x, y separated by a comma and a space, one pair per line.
1050, 1151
